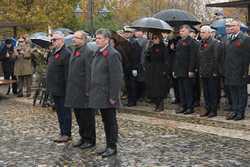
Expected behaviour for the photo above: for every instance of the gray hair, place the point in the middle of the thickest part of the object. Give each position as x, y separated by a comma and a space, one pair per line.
206, 29
58, 34
84, 35
104, 32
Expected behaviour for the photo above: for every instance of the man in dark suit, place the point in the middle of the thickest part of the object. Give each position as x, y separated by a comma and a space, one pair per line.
236, 65
105, 88
184, 69
77, 94
210, 70
57, 74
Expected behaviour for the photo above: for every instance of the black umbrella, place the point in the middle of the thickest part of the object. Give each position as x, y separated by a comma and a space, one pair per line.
65, 31
177, 17
42, 41
151, 24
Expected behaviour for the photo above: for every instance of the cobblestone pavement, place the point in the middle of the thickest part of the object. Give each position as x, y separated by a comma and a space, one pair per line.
26, 135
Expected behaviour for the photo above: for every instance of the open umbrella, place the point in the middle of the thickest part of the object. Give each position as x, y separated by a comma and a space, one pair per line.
65, 31
220, 27
42, 41
36, 34
177, 17
118, 37
150, 24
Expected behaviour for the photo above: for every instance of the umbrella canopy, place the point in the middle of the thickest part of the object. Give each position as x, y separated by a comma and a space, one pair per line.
68, 40
37, 34
118, 37
65, 31
151, 24
42, 41
177, 17
220, 27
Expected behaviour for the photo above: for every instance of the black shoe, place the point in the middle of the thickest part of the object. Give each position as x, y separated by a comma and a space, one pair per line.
189, 111
78, 144
87, 145
230, 116
239, 117
20, 95
228, 108
109, 152
205, 114
212, 114
181, 111
100, 152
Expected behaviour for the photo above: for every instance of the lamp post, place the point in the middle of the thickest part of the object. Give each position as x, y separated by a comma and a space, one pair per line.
78, 12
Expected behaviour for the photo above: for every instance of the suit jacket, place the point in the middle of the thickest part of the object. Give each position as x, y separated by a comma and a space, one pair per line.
236, 60
79, 78
57, 72
210, 58
185, 59
106, 79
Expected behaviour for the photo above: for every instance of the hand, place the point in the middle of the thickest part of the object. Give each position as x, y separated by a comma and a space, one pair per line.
174, 75
112, 101
214, 75
134, 73
172, 46
190, 74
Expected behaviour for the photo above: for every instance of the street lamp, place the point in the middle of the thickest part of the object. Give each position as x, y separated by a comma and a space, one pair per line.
78, 11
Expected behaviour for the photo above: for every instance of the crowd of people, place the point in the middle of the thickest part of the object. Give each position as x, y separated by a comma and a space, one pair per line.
140, 67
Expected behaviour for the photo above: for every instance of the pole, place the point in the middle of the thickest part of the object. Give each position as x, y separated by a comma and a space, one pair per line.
90, 15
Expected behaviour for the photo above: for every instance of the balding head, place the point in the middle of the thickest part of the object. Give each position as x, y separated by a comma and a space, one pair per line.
80, 38
57, 39
205, 32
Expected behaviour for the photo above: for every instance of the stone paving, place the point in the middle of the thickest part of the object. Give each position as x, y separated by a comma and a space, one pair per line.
26, 135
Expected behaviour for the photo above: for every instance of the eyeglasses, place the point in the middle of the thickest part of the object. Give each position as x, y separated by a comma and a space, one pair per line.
54, 39
78, 37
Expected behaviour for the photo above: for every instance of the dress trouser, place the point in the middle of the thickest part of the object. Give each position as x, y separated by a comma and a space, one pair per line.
24, 81
64, 115
211, 91
186, 90
85, 118
239, 98
8, 70
110, 126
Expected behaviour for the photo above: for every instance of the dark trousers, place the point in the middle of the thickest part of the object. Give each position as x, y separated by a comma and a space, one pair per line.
64, 115
8, 71
132, 88
85, 118
211, 90
239, 98
197, 90
158, 101
176, 90
186, 90
110, 126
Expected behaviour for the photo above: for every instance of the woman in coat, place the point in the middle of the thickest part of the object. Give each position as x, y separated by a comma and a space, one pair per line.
157, 71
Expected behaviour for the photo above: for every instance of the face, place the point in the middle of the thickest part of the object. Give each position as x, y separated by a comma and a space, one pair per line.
234, 27
78, 39
205, 34
101, 41
184, 32
8, 45
21, 42
156, 39
57, 41
139, 34
127, 35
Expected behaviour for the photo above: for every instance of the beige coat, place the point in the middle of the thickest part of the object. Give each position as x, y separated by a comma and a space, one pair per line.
23, 65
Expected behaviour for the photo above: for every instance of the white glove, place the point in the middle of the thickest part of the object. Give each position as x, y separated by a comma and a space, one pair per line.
173, 74
134, 73
190, 74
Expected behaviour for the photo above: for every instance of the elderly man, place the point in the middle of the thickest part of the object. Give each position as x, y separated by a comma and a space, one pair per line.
184, 69
77, 94
209, 69
236, 64
106, 81
57, 74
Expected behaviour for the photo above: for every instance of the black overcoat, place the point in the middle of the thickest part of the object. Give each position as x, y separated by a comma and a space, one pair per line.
57, 72
79, 78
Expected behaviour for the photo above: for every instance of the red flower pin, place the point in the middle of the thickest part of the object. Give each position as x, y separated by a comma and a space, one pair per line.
237, 43
77, 53
205, 45
105, 53
157, 50
57, 56
184, 43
